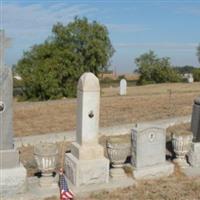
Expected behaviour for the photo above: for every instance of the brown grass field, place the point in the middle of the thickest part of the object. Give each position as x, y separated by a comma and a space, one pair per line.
142, 103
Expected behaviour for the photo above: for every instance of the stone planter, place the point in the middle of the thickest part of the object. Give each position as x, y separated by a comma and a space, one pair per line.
46, 155
117, 154
181, 145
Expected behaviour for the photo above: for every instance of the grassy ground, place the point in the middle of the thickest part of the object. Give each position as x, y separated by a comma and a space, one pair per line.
174, 187
141, 103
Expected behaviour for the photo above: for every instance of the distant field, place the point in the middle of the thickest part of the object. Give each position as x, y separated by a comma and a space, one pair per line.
141, 103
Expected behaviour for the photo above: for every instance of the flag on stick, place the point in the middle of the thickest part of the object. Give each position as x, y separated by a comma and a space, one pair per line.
65, 193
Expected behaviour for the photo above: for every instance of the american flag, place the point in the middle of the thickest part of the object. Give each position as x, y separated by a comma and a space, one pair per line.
65, 193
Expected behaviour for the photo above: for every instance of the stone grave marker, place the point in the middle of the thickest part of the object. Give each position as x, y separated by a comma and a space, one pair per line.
148, 153
123, 87
12, 173
194, 154
86, 163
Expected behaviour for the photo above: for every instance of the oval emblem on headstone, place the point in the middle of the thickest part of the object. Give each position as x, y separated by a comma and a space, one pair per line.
2, 106
152, 137
91, 114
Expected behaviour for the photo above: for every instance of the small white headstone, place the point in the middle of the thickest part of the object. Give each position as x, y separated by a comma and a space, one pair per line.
123, 87
190, 79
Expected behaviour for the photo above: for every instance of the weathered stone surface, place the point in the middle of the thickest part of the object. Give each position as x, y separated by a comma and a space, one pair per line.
195, 123
148, 153
6, 116
89, 152
194, 155
197, 101
155, 171
86, 163
85, 172
148, 147
13, 181
123, 87
9, 159
88, 99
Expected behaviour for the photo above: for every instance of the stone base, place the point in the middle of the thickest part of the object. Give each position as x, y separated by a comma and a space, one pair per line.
9, 158
86, 172
191, 171
87, 152
182, 162
13, 181
117, 173
113, 184
48, 181
155, 171
194, 155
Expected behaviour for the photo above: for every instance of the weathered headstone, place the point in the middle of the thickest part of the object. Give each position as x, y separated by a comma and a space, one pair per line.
6, 119
123, 87
148, 153
195, 122
190, 79
194, 154
4, 43
86, 163
12, 173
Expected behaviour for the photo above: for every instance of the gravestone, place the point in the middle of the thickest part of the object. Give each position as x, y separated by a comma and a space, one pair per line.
12, 173
86, 163
190, 79
6, 118
123, 87
148, 153
194, 153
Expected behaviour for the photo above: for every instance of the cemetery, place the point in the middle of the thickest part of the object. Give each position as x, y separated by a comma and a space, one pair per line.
68, 136
88, 165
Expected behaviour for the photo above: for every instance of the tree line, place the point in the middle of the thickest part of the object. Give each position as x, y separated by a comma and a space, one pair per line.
51, 70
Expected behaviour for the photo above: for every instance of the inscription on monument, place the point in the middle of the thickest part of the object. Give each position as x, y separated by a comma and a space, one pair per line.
2, 107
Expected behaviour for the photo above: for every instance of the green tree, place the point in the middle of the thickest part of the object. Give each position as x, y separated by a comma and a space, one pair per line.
51, 70
196, 74
155, 70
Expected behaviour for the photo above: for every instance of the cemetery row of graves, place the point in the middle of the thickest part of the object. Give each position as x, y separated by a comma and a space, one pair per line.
121, 162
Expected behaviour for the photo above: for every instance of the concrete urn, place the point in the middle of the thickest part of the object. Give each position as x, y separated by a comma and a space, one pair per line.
117, 152
46, 156
181, 144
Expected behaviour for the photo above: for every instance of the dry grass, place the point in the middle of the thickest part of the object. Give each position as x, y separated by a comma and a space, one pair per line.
170, 188
142, 103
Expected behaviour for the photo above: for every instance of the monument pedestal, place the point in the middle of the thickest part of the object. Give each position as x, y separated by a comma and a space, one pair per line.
12, 173
9, 158
155, 171
13, 181
194, 155
85, 165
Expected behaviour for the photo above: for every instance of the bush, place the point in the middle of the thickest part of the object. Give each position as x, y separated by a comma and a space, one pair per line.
155, 70
196, 74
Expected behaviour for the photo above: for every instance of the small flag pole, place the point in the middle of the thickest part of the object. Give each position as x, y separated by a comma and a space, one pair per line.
62, 154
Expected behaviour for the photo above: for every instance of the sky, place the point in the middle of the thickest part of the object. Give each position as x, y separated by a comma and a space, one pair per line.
170, 28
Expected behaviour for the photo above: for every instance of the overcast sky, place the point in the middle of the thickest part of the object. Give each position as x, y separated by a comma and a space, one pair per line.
170, 28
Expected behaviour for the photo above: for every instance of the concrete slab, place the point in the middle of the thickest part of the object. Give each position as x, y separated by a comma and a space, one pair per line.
13, 181
114, 183
70, 136
191, 171
36, 192
153, 172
